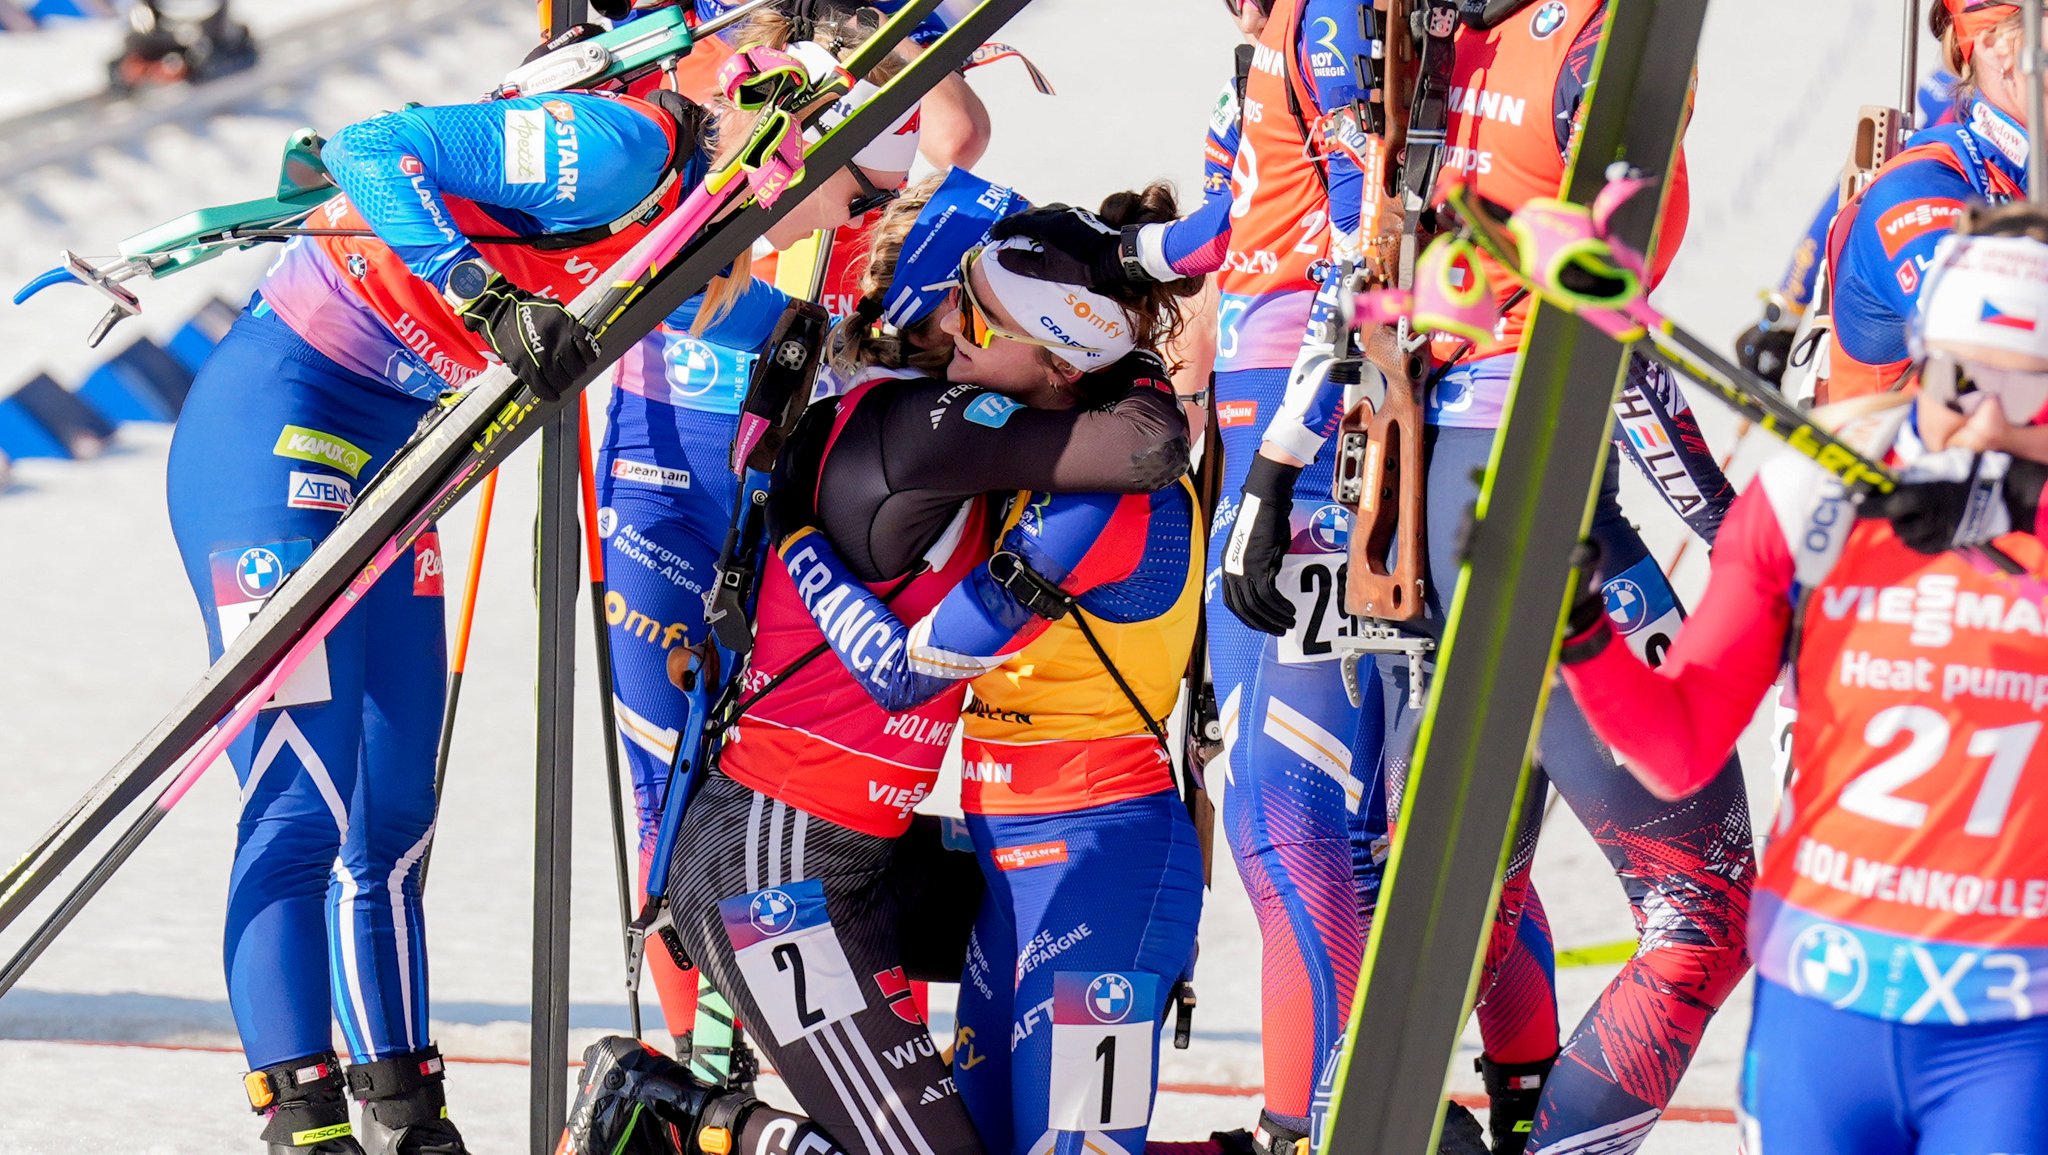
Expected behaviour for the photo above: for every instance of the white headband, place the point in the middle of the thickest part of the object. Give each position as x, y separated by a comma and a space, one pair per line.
895, 148
1069, 314
1987, 292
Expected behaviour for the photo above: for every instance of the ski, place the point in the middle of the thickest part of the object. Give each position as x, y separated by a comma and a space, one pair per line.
1493, 671
453, 455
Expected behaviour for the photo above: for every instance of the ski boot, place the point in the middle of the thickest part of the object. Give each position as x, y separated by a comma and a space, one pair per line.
743, 1066
304, 1107
405, 1111
633, 1100
1462, 1134
1512, 1091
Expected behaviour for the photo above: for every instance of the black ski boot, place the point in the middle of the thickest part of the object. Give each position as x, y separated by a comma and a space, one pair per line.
742, 1065
304, 1105
405, 1111
1462, 1134
1512, 1091
633, 1100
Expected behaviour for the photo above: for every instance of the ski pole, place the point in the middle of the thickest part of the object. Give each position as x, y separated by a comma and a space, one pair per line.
460, 657
676, 258
607, 713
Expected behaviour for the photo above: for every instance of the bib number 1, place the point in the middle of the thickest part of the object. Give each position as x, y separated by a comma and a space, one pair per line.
1103, 1030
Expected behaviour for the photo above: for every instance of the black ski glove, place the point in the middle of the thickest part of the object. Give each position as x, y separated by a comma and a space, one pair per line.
1587, 628
1074, 248
536, 337
1959, 498
1258, 543
1765, 351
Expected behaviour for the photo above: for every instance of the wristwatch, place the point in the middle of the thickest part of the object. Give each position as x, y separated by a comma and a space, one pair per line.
467, 281
1127, 255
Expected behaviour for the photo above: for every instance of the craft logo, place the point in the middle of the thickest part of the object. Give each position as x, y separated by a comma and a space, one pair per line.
317, 491
1548, 20
1993, 315
1110, 998
258, 571
1008, 858
772, 912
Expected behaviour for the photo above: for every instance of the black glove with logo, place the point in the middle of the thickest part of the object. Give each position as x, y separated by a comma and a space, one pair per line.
1258, 543
1959, 498
1587, 628
536, 337
1074, 248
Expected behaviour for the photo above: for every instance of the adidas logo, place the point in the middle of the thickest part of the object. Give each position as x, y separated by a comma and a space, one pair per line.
939, 1090
938, 415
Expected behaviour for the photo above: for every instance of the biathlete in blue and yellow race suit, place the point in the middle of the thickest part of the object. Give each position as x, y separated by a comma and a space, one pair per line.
1073, 634
666, 486
1517, 86
802, 883
1881, 243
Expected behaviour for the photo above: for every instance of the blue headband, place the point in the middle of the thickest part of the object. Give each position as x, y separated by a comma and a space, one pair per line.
957, 219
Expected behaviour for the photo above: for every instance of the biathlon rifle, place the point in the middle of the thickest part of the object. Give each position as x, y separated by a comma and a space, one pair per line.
610, 60
1601, 282
1398, 134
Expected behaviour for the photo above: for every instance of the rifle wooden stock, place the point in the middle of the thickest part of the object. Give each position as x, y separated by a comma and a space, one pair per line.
1380, 471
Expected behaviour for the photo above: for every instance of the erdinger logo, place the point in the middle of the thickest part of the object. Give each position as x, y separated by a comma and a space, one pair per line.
1110, 998
1086, 312
1828, 963
772, 912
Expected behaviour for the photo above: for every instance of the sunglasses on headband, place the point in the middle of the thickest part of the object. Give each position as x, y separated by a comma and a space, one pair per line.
980, 328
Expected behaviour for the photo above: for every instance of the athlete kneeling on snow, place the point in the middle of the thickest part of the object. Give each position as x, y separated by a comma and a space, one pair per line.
799, 864
476, 222
1075, 634
1901, 950
665, 487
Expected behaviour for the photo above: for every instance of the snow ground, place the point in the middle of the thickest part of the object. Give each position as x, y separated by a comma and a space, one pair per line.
99, 636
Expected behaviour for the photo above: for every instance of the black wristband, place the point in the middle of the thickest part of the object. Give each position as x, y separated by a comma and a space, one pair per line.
1269, 480
1587, 644
2024, 482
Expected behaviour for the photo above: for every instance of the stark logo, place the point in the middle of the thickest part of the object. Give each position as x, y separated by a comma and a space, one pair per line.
895, 987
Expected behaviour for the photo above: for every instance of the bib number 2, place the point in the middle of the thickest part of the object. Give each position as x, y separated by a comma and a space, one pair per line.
1314, 586
790, 956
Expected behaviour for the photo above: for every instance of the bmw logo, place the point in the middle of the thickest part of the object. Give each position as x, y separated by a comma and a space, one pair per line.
1828, 964
1626, 605
258, 571
1329, 528
1110, 998
358, 266
693, 366
772, 911
1548, 20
